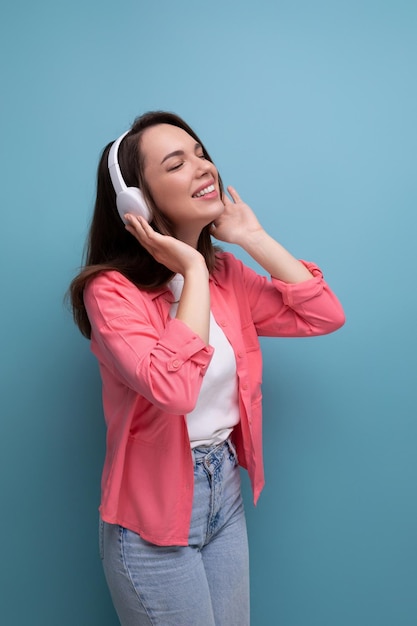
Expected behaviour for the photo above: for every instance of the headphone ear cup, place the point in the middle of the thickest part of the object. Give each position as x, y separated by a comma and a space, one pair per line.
131, 200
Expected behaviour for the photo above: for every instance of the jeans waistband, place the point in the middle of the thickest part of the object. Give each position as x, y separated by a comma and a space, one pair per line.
207, 454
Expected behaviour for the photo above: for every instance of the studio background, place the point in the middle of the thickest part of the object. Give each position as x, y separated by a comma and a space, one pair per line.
309, 110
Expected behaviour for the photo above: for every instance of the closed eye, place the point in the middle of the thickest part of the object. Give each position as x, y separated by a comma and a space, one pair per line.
175, 167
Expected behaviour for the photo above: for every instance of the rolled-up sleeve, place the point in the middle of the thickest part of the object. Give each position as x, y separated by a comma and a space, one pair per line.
299, 309
317, 309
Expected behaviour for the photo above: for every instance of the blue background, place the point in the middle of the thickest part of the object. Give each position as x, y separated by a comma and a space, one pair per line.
309, 110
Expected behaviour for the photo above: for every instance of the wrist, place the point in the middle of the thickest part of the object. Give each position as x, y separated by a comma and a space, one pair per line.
253, 240
196, 270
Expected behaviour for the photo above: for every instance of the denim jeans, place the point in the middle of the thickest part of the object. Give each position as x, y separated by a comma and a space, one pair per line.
203, 584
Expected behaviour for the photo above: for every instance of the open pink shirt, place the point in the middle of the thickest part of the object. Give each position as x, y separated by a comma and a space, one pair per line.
152, 367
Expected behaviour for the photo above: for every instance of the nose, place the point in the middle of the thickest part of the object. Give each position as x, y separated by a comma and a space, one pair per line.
204, 166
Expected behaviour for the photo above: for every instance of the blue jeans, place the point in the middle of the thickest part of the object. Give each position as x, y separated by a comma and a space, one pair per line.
203, 584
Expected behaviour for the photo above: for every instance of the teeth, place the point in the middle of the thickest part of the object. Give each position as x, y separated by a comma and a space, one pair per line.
203, 192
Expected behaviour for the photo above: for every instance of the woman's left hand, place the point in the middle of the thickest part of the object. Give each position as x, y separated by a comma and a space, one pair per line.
237, 222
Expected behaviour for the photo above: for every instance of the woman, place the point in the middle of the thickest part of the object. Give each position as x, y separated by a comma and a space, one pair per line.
174, 324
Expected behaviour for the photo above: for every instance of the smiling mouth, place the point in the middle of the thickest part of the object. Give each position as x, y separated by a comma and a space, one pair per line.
204, 191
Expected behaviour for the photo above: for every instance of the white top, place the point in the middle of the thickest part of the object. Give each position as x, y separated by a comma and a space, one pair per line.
217, 410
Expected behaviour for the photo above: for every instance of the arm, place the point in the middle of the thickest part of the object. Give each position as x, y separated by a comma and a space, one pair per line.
297, 302
140, 347
276, 308
274, 258
194, 304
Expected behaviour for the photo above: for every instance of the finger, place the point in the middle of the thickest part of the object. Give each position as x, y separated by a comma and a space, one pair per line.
138, 225
133, 219
226, 199
135, 228
234, 194
213, 230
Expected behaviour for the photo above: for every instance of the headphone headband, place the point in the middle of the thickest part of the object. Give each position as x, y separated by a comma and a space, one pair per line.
114, 167
128, 199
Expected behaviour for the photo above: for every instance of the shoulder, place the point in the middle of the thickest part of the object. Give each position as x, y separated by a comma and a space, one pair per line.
226, 264
230, 268
107, 281
111, 285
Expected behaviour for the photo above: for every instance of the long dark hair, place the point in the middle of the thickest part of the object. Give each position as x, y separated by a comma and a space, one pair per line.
109, 245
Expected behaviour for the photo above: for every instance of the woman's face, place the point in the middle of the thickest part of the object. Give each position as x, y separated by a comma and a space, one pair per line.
182, 182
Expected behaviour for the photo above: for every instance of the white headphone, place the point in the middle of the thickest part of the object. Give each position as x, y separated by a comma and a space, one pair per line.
128, 199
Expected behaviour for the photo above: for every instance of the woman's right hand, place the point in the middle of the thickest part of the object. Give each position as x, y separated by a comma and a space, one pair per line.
176, 255
179, 257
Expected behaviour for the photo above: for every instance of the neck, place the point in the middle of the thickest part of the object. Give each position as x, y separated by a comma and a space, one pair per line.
189, 237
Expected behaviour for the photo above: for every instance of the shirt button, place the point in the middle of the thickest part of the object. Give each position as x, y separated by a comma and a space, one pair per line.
175, 364
245, 386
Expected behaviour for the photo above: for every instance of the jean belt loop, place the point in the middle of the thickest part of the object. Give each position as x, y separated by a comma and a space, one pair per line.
231, 447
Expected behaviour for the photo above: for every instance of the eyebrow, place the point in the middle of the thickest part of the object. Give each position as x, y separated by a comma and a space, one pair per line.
197, 146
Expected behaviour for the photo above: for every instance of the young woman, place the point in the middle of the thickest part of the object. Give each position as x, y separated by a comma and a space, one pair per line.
174, 324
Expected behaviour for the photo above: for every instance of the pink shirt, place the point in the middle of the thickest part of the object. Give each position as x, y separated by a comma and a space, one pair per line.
152, 367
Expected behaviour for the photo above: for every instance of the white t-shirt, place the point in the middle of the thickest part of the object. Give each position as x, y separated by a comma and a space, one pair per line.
217, 410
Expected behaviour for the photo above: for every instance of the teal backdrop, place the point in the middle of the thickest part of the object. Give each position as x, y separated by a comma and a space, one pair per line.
309, 110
